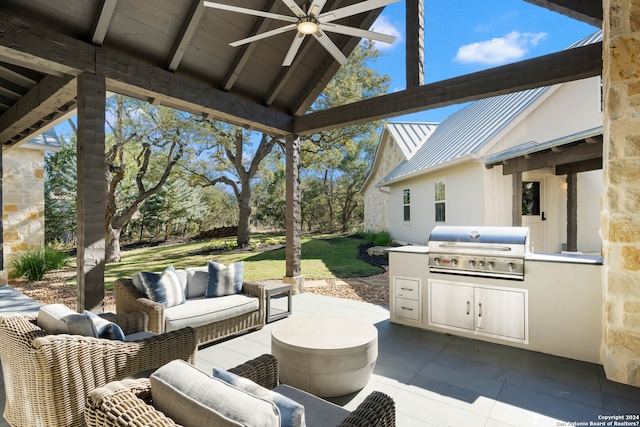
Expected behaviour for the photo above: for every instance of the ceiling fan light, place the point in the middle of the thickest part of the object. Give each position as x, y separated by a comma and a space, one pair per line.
307, 26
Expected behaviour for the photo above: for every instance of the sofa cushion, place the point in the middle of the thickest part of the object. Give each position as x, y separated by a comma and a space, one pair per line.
203, 311
224, 280
291, 412
196, 281
319, 412
103, 328
164, 288
192, 398
60, 319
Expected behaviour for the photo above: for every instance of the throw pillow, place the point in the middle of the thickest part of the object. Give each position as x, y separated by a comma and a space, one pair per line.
291, 412
192, 398
103, 328
164, 288
224, 280
51, 318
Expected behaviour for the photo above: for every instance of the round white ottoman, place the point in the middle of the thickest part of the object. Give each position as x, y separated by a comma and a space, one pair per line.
325, 355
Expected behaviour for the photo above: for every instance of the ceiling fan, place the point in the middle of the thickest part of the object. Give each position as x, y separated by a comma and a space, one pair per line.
310, 20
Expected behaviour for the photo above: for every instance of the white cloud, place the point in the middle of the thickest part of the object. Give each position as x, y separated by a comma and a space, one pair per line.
384, 26
499, 50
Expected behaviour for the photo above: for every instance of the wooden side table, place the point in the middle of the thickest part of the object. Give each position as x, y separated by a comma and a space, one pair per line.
274, 289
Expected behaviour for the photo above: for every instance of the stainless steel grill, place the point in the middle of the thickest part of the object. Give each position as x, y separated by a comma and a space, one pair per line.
479, 251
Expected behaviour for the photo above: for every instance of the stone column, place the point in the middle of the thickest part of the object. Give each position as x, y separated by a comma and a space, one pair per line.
91, 192
293, 217
621, 195
3, 273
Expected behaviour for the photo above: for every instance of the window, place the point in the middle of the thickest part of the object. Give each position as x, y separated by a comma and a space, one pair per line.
530, 198
440, 201
406, 201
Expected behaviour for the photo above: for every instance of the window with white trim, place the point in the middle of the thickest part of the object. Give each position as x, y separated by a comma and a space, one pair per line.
406, 202
440, 200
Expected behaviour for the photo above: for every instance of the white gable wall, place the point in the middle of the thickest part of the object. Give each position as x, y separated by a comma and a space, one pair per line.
570, 108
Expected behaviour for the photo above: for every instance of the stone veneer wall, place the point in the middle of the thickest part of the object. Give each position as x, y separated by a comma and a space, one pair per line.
23, 199
376, 200
621, 197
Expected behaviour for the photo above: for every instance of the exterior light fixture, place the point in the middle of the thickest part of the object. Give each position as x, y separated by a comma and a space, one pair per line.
307, 25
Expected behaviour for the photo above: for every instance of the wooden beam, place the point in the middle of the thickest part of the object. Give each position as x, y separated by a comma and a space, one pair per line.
104, 14
572, 212
516, 199
415, 43
588, 11
582, 166
41, 48
560, 67
187, 31
42, 101
548, 159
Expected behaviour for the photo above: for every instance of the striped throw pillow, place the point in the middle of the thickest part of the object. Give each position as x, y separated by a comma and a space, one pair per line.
164, 288
224, 280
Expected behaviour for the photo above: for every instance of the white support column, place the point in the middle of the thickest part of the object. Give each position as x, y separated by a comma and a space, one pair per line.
91, 192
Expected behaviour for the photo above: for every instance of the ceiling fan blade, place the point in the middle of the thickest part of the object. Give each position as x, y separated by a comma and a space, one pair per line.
354, 9
264, 35
293, 50
330, 46
316, 7
357, 32
294, 8
250, 11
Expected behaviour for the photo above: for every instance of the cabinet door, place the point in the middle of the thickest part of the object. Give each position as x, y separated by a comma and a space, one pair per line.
451, 305
500, 312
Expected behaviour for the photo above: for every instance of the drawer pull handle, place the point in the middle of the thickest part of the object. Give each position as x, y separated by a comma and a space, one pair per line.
468, 308
406, 289
407, 308
480, 309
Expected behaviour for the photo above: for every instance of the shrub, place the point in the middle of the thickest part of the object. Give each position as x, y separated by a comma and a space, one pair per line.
33, 265
378, 238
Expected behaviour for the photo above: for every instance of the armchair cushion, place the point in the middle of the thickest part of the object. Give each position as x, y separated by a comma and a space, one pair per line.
104, 328
59, 319
291, 412
192, 398
164, 288
224, 280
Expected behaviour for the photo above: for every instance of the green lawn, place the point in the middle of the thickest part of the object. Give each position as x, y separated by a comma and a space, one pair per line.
323, 257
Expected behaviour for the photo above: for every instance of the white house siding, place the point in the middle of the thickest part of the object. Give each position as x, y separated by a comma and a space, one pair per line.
589, 203
376, 200
464, 202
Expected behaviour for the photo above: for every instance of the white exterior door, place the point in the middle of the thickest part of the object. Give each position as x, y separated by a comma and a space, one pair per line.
533, 213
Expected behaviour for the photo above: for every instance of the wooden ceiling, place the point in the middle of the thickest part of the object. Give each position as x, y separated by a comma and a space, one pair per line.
176, 53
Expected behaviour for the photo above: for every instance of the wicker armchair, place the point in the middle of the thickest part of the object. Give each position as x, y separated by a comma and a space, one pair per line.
129, 402
129, 299
47, 377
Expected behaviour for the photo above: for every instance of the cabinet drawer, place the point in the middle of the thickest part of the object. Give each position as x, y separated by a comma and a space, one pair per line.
408, 308
407, 288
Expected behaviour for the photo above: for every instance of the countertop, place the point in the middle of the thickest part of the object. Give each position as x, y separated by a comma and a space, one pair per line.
569, 258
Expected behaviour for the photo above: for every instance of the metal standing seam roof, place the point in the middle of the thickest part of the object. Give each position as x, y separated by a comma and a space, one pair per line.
410, 136
468, 130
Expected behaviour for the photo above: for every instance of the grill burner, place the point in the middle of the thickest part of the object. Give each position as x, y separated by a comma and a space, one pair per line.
479, 251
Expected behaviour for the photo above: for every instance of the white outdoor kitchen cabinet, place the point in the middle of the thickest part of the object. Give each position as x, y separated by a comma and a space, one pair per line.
501, 312
408, 298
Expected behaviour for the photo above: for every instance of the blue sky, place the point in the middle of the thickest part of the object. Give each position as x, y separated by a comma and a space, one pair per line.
465, 36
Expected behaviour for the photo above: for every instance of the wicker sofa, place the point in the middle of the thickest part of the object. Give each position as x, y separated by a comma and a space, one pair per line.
48, 377
213, 318
129, 402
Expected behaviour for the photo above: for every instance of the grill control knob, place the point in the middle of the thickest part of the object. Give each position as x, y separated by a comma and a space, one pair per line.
454, 261
480, 263
491, 264
511, 266
436, 260
472, 263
